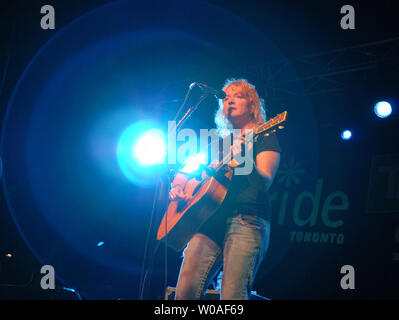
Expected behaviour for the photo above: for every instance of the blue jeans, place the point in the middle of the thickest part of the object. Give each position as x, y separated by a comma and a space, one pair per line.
245, 244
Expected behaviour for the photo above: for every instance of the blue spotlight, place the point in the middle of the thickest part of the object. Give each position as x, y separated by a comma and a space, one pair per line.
192, 164
382, 109
150, 148
346, 134
141, 152
101, 243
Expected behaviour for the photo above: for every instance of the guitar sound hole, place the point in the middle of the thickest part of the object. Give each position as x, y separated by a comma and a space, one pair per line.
197, 188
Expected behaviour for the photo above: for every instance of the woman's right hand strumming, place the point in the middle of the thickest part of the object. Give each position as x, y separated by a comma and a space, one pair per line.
177, 193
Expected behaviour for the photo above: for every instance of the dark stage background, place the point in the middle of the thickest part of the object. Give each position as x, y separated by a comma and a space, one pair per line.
67, 95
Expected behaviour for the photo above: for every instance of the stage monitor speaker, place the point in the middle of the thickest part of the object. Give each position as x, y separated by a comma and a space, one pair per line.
23, 292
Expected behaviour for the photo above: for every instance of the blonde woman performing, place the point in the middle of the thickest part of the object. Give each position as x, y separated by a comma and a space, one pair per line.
236, 237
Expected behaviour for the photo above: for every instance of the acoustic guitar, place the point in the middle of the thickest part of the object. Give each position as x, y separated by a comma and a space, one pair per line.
182, 219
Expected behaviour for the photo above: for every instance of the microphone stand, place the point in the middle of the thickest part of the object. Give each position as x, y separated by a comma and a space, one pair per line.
189, 112
159, 202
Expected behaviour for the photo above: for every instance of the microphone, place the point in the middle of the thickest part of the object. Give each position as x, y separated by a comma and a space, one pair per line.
219, 94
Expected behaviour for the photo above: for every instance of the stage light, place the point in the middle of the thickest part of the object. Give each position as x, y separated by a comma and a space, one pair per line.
150, 148
382, 109
101, 243
346, 134
193, 163
8, 255
141, 152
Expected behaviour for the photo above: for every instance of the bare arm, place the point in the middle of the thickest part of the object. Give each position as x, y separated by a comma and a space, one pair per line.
178, 185
267, 163
180, 179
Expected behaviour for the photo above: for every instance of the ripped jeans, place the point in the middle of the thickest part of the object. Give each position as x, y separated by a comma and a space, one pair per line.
245, 244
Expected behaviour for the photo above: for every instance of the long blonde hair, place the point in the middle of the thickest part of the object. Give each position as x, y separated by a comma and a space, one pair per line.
256, 106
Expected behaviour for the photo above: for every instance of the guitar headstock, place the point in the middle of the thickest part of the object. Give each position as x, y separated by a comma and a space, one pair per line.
273, 124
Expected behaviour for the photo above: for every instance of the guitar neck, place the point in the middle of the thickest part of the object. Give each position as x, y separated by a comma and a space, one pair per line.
272, 123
